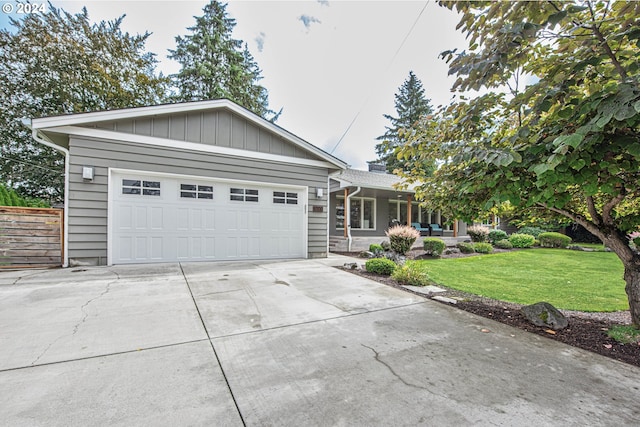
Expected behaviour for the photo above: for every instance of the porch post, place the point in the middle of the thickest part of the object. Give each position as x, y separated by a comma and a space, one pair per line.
409, 209
347, 212
438, 217
455, 228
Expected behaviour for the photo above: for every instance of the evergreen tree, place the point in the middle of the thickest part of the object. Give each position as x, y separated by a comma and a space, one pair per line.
58, 63
214, 65
411, 105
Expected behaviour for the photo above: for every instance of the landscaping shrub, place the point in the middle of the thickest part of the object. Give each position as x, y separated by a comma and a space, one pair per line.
532, 231
376, 249
520, 240
380, 266
554, 240
402, 237
625, 334
465, 248
504, 244
483, 247
497, 235
411, 274
478, 233
434, 246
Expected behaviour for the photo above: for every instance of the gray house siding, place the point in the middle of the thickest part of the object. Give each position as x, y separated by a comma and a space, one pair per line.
219, 128
87, 210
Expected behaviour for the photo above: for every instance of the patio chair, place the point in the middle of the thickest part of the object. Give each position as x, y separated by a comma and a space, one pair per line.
424, 231
436, 230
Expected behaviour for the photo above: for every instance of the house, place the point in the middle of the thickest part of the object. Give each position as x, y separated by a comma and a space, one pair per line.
374, 205
194, 181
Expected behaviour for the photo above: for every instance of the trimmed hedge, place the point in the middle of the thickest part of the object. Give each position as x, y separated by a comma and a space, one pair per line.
434, 246
496, 236
478, 233
532, 231
382, 266
504, 244
554, 240
483, 248
520, 240
465, 248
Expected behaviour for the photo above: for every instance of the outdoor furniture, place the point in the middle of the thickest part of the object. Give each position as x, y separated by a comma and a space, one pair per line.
436, 230
420, 228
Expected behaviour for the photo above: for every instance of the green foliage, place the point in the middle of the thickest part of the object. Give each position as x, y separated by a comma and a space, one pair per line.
483, 247
519, 240
9, 197
382, 266
412, 274
497, 235
533, 231
434, 246
504, 244
58, 63
465, 248
411, 105
625, 334
214, 65
554, 240
402, 238
375, 248
478, 233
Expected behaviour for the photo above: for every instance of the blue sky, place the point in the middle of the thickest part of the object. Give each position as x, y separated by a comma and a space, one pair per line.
325, 63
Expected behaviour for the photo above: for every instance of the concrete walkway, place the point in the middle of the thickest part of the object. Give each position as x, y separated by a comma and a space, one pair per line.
279, 343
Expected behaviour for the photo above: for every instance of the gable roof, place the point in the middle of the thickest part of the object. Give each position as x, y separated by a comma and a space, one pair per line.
375, 180
71, 124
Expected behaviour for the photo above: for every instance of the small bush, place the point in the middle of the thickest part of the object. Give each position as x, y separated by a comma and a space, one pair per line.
465, 248
520, 240
504, 244
374, 247
411, 274
532, 231
380, 266
478, 233
385, 246
434, 246
402, 238
554, 240
497, 235
483, 247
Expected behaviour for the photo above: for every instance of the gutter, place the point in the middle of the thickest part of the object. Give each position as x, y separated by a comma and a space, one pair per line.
347, 210
44, 141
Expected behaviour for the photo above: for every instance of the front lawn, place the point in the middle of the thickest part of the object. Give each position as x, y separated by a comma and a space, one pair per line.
571, 280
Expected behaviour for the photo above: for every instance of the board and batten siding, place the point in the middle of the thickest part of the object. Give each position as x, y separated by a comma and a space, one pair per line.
219, 128
88, 200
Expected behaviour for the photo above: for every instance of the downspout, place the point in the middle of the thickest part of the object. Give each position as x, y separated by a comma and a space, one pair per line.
65, 152
347, 209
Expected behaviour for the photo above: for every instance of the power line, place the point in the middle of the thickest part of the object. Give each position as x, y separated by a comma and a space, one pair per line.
386, 70
31, 164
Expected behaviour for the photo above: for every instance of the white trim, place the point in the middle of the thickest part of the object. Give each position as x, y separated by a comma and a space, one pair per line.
304, 199
139, 112
184, 145
348, 212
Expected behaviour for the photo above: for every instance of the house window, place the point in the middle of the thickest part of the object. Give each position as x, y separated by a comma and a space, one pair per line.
194, 191
139, 187
282, 197
362, 213
398, 212
243, 195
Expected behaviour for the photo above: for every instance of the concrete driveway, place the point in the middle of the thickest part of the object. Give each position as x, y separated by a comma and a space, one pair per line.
279, 343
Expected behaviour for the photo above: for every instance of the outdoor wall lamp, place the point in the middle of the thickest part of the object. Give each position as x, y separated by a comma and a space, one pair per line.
319, 192
87, 173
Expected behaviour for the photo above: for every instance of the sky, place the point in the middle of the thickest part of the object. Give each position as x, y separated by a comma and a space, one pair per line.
332, 66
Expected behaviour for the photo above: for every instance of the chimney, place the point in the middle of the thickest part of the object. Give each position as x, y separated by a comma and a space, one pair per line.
378, 167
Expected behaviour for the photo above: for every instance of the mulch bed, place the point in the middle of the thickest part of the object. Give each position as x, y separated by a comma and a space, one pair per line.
586, 330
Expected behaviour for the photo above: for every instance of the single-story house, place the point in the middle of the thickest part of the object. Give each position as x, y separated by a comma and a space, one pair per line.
375, 204
194, 181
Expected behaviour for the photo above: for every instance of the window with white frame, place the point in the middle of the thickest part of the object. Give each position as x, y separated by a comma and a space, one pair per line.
362, 213
140, 187
196, 191
243, 195
285, 197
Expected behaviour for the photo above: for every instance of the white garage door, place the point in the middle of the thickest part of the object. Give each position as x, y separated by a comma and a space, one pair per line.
157, 218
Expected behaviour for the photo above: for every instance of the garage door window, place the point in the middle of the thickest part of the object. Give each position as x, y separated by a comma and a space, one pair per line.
138, 187
244, 195
194, 191
281, 197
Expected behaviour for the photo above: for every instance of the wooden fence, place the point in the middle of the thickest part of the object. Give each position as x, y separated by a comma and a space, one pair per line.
31, 237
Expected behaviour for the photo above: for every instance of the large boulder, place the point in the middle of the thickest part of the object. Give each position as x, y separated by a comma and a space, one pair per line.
544, 314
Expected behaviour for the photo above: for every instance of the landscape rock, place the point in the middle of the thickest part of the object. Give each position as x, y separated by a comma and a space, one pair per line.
351, 265
546, 315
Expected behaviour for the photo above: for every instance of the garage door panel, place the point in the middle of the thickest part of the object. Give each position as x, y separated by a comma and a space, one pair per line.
171, 226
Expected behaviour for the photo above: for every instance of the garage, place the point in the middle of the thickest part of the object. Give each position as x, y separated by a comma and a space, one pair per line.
163, 218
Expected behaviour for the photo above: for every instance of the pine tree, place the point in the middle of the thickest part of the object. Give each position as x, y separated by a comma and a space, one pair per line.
411, 105
59, 63
214, 65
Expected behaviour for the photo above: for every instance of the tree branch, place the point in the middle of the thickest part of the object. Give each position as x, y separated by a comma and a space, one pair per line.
591, 206
608, 207
603, 41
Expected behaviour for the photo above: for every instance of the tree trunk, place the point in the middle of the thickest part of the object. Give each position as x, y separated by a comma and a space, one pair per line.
632, 277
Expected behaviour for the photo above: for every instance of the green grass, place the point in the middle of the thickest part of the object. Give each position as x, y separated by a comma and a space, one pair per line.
594, 246
571, 280
624, 334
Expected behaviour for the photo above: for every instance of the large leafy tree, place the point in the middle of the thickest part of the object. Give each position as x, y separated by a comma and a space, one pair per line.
411, 105
215, 65
59, 63
567, 143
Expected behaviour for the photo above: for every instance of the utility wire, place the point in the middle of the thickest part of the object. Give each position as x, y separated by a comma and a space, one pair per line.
386, 70
31, 164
